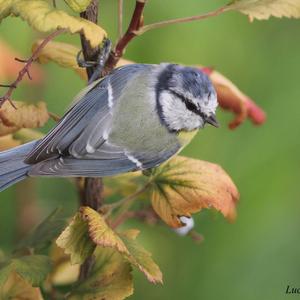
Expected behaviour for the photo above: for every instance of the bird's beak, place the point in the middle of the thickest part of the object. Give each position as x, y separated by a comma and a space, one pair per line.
212, 120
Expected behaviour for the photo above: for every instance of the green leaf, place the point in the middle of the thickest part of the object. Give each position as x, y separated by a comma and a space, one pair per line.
75, 240
184, 186
32, 268
110, 278
45, 233
264, 9
44, 18
140, 257
78, 5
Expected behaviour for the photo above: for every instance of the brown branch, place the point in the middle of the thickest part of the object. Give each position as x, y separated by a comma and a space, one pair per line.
25, 69
89, 53
91, 190
135, 24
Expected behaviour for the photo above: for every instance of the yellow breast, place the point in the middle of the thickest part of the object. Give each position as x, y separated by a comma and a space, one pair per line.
185, 137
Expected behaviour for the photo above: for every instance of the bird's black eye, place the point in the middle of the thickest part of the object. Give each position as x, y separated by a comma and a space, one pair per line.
188, 103
191, 106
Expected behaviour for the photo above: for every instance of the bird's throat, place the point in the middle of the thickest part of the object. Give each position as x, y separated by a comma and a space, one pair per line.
186, 136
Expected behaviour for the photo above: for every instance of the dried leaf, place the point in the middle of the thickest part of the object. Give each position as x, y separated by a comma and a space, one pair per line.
184, 186
78, 5
25, 116
100, 233
10, 68
231, 98
7, 142
141, 258
75, 240
62, 54
44, 18
264, 9
110, 278
32, 268
17, 288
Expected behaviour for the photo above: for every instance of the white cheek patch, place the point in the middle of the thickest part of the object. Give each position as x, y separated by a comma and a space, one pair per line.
176, 115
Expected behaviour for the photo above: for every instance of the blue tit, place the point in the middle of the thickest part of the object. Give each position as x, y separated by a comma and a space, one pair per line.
135, 118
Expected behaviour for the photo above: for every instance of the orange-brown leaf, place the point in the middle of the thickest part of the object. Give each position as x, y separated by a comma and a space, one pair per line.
18, 289
184, 186
231, 98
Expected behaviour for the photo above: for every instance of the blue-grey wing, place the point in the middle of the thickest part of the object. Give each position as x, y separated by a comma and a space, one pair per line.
71, 167
77, 146
87, 118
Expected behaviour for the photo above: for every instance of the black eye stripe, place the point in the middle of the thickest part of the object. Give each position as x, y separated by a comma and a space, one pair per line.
189, 105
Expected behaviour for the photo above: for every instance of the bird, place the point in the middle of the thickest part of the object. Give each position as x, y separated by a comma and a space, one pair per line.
135, 118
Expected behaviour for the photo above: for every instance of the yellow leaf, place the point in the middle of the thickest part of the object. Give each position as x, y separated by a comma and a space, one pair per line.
17, 288
25, 116
141, 258
44, 18
7, 142
78, 5
63, 272
110, 278
184, 186
75, 240
264, 9
62, 54
125, 243
100, 233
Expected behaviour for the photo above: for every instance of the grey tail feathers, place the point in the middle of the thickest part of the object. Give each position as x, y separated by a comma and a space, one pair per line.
12, 166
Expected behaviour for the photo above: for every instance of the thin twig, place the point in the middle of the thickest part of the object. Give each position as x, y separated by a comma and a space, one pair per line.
25, 69
147, 215
161, 24
54, 116
120, 18
126, 203
135, 24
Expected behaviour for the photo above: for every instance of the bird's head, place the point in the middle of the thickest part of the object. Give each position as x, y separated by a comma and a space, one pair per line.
186, 98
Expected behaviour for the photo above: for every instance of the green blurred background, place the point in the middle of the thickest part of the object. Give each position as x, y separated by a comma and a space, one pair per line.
258, 255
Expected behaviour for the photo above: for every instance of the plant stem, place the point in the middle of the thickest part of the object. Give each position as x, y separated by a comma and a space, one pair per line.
120, 18
91, 194
134, 25
27, 65
161, 24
